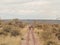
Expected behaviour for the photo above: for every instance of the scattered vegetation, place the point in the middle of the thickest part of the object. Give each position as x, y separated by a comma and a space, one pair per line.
15, 33
49, 32
13, 28
3, 44
22, 38
46, 35
50, 43
11, 31
2, 33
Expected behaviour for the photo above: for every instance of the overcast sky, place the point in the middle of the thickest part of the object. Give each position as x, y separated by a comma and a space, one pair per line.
29, 9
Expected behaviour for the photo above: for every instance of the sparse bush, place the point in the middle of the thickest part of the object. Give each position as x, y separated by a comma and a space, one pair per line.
21, 26
3, 44
46, 36
59, 30
10, 23
22, 38
7, 30
58, 35
38, 26
3, 33
51, 43
56, 25
15, 33
38, 33
54, 30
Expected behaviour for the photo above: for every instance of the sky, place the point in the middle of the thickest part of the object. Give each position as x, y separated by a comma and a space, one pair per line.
30, 9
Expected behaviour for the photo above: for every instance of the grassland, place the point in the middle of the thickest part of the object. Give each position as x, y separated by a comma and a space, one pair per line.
12, 32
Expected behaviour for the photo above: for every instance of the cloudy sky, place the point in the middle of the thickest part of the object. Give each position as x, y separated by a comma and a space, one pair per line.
29, 9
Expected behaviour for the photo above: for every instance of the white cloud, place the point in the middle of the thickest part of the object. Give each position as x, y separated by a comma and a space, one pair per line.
40, 8
26, 11
36, 3
25, 7
14, 1
17, 11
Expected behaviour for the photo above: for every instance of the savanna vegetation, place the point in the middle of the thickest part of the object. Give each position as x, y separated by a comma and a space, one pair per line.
12, 32
49, 34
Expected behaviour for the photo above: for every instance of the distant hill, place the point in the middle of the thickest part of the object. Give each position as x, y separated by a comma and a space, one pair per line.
41, 21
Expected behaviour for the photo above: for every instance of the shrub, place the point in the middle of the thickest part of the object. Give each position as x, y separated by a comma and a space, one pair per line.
3, 44
54, 30
7, 30
15, 33
22, 38
3, 33
10, 23
56, 25
51, 43
46, 35
57, 34
58, 37
38, 26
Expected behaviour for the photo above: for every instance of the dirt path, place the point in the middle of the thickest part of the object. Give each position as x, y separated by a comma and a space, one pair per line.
30, 38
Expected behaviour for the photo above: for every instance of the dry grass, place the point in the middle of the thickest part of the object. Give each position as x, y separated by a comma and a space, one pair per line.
12, 32
49, 34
